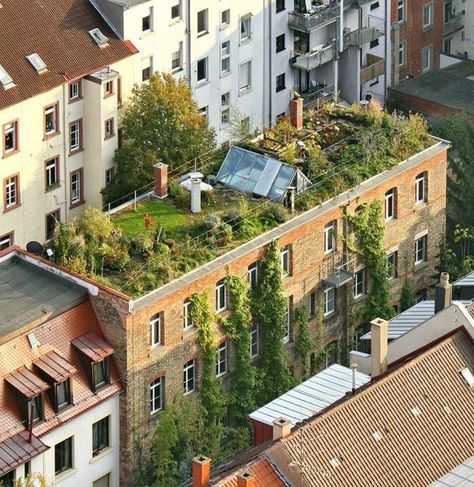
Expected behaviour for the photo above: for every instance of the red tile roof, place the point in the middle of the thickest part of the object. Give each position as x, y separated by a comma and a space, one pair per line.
265, 474
58, 31
19, 449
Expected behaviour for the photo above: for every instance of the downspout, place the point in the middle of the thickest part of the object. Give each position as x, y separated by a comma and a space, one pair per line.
339, 49
270, 63
66, 180
188, 40
387, 30
359, 37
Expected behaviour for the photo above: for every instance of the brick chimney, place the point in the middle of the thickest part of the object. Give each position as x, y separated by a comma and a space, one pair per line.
379, 346
246, 479
201, 471
281, 428
443, 293
160, 172
296, 112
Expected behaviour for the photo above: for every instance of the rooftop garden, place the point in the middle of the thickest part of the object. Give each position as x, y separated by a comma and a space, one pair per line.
141, 249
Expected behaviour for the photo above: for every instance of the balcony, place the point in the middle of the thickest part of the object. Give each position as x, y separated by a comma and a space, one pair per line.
316, 97
374, 30
375, 67
311, 60
318, 17
452, 25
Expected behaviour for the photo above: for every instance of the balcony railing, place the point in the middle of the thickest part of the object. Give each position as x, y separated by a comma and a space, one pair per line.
453, 25
318, 17
318, 96
311, 60
365, 34
375, 67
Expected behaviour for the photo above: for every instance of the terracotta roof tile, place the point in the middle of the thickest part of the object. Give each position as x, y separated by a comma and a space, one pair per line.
58, 31
19, 449
265, 473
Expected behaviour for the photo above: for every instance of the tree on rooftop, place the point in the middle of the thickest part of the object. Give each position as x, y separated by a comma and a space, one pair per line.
161, 122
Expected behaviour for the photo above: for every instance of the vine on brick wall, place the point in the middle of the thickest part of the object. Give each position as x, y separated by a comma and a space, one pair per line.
269, 307
303, 342
242, 393
212, 395
369, 233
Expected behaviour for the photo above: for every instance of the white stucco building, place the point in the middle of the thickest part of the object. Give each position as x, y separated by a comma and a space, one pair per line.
458, 28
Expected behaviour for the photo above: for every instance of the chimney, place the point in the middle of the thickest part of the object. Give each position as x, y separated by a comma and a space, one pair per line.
281, 428
246, 479
201, 471
379, 346
296, 112
443, 293
196, 195
160, 172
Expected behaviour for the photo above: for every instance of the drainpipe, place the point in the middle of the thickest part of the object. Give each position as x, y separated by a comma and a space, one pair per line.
359, 37
65, 174
339, 49
188, 40
268, 5
386, 37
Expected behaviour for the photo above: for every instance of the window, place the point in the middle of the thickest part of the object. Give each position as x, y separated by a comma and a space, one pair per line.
401, 54
245, 76
225, 99
401, 10
426, 58
427, 15
189, 376
147, 68
420, 188
285, 261
203, 111
447, 45
155, 330
359, 283
119, 91
6, 241
8, 480
245, 28
10, 138
225, 116
329, 300
147, 21
392, 264
390, 197
100, 373
280, 6
108, 88
225, 18
109, 175
11, 190
221, 296
156, 395
374, 5
254, 341
221, 359
35, 409
52, 173
202, 19
280, 82
312, 304
63, 456
374, 43
51, 122
225, 57
202, 74
75, 136
176, 11
109, 128
187, 315
329, 237
332, 352
289, 305
100, 435
52, 221
76, 188
252, 275
280, 43
420, 249
62, 394
103, 481
176, 59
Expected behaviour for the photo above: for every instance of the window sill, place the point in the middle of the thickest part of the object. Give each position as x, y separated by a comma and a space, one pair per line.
102, 453
147, 33
202, 34
245, 41
189, 392
51, 188
200, 84
427, 28
360, 298
49, 136
10, 153
420, 265
108, 95
225, 74
175, 21
177, 70
10, 208
224, 26
245, 91
75, 205
64, 475
75, 151
75, 100
328, 316
111, 136
188, 331
420, 204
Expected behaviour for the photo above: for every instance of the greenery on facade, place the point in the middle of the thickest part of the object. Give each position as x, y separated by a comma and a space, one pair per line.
407, 297
456, 257
303, 342
270, 308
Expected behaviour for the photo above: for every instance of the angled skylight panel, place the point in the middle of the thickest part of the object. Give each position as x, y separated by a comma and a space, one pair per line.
267, 177
100, 39
282, 182
37, 63
5, 79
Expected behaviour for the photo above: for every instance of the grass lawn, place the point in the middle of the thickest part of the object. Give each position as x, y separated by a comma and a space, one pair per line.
132, 222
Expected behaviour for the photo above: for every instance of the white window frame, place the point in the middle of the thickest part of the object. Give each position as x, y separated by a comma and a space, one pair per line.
392, 274
401, 7
254, 341
244, 87
6, 240
178, 58
52, 167
156, 392
427, 7
188, 322
76, 187
390, 201
11, 127
429, 50
401, 50
285, 261
252, 275
189, 376
205, 60
245, 28
75, 136
286, 338
11, 191
225, 22
423, 240
359, 281
221, 359
329, 300
147, 64
201, 32
155, 330
179, 5
48, 111
150, 22
420, 188
221, 297
74, 90
329, 237
225, 57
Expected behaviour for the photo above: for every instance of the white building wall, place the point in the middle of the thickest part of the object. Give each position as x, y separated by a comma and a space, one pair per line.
462, 41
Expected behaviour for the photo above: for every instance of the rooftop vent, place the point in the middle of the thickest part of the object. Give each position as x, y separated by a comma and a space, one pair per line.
34, 343
37, 63
335, 462
5, 79
99, 38
467, 376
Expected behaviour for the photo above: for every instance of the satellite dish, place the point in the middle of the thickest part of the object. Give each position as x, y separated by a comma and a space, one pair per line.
35, 248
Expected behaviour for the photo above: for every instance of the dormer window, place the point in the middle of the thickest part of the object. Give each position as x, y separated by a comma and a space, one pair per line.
38, 64
35, 409
100, 39
63, 394
100, 374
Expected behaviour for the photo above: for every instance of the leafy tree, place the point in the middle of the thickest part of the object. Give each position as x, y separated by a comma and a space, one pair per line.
455, 257
165, 441
407, 298
270, 307
161, 122
303, 342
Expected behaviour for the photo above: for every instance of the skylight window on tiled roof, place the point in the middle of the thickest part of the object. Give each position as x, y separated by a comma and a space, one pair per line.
335, 462
468, 377
100, 39
5, 79
37, 63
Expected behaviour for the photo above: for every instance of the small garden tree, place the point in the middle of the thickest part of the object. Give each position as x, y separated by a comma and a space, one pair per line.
303, 342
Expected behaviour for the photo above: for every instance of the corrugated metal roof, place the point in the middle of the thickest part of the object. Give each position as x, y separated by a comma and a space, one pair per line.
310, 397
18, 450
460, 476
467, 280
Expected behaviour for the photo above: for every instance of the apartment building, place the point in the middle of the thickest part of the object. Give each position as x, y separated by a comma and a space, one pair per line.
59, 387
458, 28
61, 82
417, 37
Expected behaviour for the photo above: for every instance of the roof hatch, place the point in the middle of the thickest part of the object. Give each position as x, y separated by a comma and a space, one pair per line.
5, 79
99, 38
37, 63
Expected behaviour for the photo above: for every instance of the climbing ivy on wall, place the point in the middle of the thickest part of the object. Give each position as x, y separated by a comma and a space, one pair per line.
369, 231
269, 306
303, 342
237, 325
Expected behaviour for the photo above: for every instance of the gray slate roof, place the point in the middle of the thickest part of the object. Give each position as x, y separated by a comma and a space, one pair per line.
28, 293
460, 476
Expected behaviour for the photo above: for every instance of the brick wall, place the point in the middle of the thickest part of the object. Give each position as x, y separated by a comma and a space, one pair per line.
141, 364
